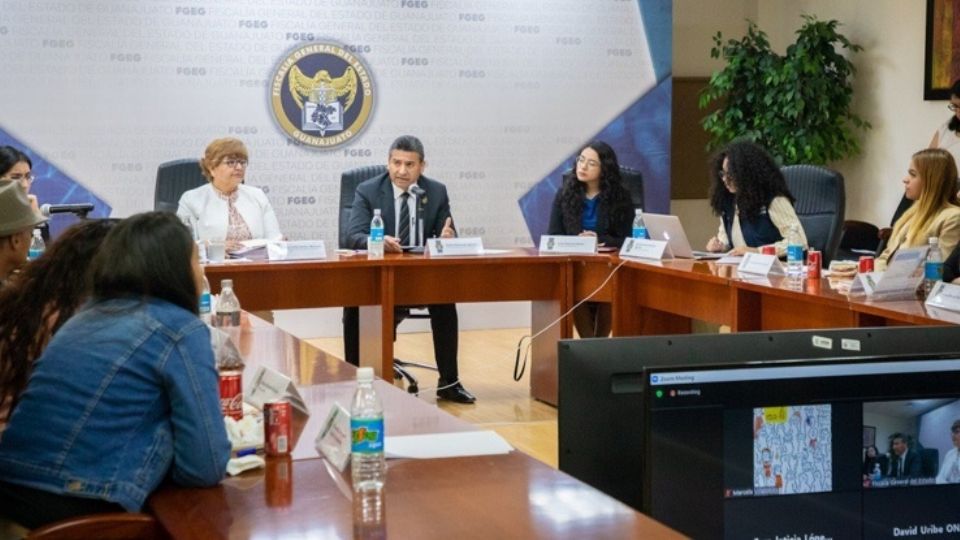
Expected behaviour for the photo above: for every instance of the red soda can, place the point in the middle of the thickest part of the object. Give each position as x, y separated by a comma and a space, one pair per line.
231, 394
814, 261
276, 427
866, 264
768, 250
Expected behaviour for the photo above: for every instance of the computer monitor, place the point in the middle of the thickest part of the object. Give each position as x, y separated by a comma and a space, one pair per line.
776, 450
600, 409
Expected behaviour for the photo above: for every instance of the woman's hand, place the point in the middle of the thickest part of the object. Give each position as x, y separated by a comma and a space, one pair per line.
715, 245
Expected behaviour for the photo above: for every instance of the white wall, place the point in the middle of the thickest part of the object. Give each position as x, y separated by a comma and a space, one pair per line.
888, 88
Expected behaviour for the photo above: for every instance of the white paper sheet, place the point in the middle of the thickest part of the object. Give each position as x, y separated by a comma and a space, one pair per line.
441, 445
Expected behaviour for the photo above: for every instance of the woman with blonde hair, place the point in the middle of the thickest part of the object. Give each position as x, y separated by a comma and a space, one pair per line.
226, 209
931, 183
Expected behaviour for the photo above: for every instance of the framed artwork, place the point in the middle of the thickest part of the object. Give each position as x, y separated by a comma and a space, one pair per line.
942, 58
869, 436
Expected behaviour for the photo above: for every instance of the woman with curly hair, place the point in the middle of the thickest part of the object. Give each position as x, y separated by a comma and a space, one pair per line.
593, 202
751, 197
39, 300
931, 183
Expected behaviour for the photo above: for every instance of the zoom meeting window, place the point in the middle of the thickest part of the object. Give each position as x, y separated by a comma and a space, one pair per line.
803, 451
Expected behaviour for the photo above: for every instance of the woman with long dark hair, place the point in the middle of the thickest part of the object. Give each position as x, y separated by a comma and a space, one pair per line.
750, 195
593, 202
17, 166
126, 392
37, 303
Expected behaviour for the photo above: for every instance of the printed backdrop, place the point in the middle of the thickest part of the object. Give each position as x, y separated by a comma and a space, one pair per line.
502, 93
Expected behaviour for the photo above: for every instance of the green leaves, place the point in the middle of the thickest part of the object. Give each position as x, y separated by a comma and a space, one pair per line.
796, 105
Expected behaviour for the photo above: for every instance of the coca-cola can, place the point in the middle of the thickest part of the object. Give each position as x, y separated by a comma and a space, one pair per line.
865, 264
276, 427
231, 394
768, 250
814, 261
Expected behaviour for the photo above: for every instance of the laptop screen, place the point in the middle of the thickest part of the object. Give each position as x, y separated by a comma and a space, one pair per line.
862, 448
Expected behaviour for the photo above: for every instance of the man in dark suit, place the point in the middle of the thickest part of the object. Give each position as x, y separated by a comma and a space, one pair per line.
904, 463
402, 194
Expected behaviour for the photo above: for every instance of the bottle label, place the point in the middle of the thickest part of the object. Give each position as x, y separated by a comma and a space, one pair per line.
205, 302
376, 234
34, 253
933, 270
795, 253
366, 435
640, 232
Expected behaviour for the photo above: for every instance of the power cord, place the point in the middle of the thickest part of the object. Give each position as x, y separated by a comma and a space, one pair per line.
523, 352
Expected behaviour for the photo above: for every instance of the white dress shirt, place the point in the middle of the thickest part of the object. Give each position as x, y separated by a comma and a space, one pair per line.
411, 206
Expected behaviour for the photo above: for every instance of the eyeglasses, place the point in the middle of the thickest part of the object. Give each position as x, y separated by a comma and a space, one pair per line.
953, 108
234, 163
590, 163
29, 177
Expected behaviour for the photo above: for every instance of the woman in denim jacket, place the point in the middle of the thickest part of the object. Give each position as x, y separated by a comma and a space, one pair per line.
125, 394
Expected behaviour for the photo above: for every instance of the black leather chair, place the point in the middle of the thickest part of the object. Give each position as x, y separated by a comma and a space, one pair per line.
820, 205
857, 239
349, 180
173, 179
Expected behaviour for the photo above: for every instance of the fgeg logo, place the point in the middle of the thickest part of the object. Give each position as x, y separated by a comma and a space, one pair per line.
321, 94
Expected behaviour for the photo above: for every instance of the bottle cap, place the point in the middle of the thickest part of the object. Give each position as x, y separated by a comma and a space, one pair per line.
365, 374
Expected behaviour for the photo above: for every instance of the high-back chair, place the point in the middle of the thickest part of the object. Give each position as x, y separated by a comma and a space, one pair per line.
173, 179
349, 180
820, 204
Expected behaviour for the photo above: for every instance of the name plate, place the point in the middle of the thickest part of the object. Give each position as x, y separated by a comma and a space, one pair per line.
864, 283
944, 295
760, 264
333, 441
550, 243
901, 278
268, 384
641, 248
296, 250
454, 247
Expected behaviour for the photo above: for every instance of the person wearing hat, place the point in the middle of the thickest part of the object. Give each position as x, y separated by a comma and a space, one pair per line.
17, 220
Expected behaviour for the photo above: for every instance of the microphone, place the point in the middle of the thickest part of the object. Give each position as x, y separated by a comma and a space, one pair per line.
80, 209
421, 195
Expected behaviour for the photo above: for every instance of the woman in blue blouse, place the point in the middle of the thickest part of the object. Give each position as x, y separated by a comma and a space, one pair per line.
593, 202
125, 394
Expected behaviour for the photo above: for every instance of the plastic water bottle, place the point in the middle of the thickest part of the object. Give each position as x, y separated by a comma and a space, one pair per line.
877, 475
933, 267
205, 307
639, 227
794, 252
368, 467
375, 242
37, 246
228, 305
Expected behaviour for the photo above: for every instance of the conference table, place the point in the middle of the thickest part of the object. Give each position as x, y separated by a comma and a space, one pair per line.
648, 297
493, 496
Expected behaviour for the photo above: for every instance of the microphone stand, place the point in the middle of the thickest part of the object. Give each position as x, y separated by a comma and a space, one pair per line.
421, 241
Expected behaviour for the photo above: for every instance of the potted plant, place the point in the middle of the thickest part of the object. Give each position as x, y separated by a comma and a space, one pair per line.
796, 105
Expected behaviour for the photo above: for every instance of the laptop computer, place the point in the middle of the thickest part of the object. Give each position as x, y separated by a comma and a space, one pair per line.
668, 228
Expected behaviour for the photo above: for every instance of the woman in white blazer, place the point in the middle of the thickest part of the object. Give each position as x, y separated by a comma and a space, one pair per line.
226, 209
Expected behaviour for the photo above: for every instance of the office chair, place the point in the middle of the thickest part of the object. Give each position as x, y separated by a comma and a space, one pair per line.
104, 526
173, 179
820, 205
349, 180
858, 238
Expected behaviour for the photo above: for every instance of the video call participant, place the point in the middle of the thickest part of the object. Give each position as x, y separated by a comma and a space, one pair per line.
874, 460
126, 393
16, 166
593, 202
17, 220
750, 195
903, 462
225, 208
391, 193
950, 467
931, 183
35, 305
